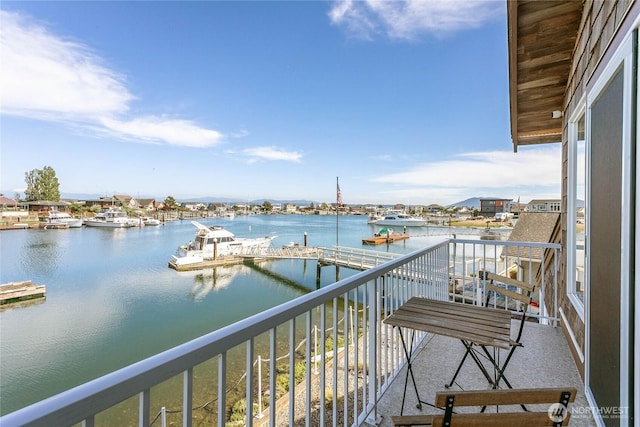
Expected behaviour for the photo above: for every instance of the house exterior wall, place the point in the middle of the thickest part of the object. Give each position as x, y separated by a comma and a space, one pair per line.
601, 29
490, 207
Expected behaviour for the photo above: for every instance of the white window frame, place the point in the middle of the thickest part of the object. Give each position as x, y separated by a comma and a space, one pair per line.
572, 171
622, 58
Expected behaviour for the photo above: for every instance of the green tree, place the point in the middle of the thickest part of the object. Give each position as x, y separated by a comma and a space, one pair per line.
267, 206
170, 203
42, 184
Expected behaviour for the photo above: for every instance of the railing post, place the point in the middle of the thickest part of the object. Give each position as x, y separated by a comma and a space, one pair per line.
249, 383
260, 414
187, 397
372, 352
222, 389
144, 408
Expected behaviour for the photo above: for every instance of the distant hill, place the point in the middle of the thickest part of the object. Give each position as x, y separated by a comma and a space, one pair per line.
473, 203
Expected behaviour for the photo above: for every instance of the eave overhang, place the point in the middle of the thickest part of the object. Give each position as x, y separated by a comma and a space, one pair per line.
542, 37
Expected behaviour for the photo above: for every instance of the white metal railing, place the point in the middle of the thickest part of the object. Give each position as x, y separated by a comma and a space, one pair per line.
328, 349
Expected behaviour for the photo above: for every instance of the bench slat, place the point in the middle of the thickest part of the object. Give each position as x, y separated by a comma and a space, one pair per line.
502, 419
412, 420
505, 397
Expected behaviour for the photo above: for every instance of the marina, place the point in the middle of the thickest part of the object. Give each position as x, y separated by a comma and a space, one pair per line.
112, 300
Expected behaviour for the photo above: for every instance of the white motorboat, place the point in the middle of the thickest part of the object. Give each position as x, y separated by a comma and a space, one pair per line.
401, 220
147, 220
374, 218
57, 219
111, 218
224, 241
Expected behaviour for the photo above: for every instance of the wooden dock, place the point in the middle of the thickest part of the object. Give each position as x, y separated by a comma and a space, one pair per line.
20, 291
384, 238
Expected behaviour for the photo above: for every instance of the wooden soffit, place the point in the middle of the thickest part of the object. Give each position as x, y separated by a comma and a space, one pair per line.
542, 36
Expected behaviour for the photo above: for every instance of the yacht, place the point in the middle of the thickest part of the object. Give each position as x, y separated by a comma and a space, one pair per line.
401, 220
111, 218
224, 241
57, 219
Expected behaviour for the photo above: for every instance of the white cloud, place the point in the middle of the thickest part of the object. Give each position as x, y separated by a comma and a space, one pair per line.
47, 77
272, 153
157, 129
532, 171
406, 19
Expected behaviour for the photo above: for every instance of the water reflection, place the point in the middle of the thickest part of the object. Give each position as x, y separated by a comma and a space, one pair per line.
213, 279
41, 252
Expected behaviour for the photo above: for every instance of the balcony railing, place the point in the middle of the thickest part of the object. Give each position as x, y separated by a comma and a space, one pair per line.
325, 357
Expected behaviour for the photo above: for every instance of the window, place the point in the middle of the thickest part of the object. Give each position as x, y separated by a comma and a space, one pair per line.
577, 212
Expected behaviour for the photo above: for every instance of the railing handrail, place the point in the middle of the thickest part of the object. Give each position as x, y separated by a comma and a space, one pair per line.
78, 403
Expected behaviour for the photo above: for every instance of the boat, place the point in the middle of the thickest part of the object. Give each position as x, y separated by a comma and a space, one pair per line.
111, 218
401, 220
224, 241
374, 218
147, 220
56, 219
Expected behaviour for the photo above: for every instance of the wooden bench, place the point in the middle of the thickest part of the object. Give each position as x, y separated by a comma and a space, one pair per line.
554, 413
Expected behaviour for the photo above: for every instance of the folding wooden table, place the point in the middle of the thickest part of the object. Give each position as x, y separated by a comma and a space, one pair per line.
473, 325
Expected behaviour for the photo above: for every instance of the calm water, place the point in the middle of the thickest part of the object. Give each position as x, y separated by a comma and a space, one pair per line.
112, 300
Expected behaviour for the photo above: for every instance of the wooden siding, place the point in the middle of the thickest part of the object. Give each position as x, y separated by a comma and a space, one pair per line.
599, 24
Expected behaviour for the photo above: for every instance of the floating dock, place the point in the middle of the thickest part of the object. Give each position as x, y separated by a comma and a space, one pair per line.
20, 291
384, 238
208, 263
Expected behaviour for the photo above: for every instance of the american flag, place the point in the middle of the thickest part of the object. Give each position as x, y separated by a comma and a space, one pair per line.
339, 195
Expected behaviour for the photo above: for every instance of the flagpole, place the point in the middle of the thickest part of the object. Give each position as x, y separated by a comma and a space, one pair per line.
337, 206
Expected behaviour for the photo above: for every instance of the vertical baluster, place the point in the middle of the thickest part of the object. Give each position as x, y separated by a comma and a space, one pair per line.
345, 391
144, 408
249, 382
308, 371
335, 361
88, 422
323, 362
272, 377
187, 397
292, 371
356, 352
222, 388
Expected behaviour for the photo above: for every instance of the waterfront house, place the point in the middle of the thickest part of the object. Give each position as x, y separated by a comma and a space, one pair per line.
540, 205
489, 206
148, 205
126, 201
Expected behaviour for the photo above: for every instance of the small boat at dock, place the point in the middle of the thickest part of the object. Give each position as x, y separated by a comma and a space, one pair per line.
56, 219
148, 221
111, 218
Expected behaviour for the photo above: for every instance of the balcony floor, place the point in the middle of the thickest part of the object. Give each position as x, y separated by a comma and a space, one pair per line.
544, 361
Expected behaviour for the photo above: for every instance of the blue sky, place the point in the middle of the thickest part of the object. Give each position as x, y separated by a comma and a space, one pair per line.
404, 101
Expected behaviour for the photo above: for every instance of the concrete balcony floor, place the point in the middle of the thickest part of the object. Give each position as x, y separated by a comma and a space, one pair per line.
544, 361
